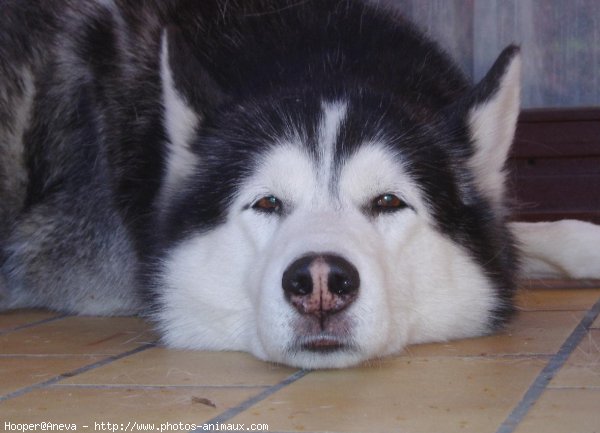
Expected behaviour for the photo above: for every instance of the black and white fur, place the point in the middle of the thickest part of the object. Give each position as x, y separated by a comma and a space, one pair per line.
313, 182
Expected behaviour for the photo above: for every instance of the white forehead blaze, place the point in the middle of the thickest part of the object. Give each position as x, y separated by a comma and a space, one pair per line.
332, 118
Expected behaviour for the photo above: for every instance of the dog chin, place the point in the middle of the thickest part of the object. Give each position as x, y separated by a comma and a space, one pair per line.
334, 356
322, 351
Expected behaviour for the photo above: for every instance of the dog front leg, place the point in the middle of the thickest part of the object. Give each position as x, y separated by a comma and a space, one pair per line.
560, 249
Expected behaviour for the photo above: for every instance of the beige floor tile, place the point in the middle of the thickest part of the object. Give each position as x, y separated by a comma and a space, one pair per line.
564, 411
582, 369
173, 367
85, 406
12, 319
400, 395
78, 336
531, 333
596, 323
19, 372
565, 300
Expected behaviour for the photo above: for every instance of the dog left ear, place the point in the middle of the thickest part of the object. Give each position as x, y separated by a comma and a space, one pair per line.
491, 118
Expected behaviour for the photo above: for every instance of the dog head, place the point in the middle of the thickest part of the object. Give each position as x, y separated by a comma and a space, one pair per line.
321, 229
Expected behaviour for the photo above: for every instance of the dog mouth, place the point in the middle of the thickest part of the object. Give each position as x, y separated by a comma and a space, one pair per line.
322, 343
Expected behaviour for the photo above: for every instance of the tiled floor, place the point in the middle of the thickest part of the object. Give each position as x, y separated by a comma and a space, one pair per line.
541, 375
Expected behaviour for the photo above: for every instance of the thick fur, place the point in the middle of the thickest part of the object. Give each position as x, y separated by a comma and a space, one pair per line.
138, 139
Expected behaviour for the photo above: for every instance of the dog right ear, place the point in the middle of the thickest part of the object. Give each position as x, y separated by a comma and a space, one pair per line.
187, 74
188, 94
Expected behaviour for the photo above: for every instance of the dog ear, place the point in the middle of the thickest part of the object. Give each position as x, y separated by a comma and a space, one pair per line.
188, 94
189, 76
491, 118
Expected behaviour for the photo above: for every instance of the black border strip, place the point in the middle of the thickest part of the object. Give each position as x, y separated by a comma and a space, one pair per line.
541, 382
230, 413
21, 391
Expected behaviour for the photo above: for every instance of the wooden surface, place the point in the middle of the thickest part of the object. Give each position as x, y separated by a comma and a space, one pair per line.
555, 165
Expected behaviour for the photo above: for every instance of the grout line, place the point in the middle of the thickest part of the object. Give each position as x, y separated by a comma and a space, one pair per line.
54, 355
153, 387
572, 387
32, 324
75, 372
496, 356
230, 413
552, 310
541, 382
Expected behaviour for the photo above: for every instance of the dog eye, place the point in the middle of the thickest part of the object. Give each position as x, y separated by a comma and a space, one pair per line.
268, 204
387, 203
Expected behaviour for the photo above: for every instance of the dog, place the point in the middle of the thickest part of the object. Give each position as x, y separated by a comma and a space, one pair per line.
314, 182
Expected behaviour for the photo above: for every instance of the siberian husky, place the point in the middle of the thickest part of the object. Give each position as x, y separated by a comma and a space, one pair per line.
314, 182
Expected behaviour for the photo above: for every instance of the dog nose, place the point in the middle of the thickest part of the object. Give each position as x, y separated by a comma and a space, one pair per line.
321, 284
